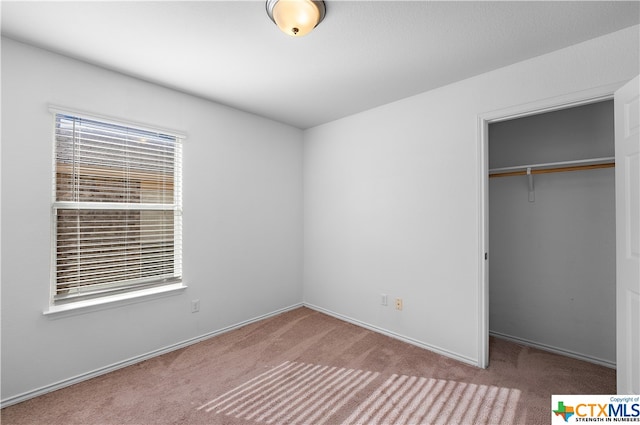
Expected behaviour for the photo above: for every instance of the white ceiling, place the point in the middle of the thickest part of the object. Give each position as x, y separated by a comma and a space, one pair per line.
364, 54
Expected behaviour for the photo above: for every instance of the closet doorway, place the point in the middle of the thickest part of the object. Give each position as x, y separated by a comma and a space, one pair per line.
626, 99
552, 231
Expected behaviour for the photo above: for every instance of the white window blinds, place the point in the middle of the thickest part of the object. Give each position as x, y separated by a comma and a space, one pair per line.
117, 209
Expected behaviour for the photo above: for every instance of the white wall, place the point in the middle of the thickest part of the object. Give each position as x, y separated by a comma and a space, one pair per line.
553, 261
242, 220
391, 196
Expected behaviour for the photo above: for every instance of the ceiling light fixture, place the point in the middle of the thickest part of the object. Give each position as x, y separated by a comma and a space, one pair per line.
296, 17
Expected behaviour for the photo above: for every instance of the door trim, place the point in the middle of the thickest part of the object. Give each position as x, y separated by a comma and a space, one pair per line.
571, 100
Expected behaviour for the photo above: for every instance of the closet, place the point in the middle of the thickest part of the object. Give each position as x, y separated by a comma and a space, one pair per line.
552, 231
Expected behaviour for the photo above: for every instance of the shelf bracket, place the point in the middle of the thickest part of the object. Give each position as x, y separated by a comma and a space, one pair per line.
532, 196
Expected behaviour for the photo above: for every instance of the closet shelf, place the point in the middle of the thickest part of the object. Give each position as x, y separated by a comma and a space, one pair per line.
553, 167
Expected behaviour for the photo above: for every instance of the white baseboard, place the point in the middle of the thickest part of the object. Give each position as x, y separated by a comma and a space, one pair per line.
435, 349
137, 359
555, 350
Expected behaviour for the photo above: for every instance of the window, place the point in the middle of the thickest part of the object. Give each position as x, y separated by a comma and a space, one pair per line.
117, 209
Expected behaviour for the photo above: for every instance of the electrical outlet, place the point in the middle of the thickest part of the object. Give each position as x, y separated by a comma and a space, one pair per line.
195, 306
383, 299
398, 303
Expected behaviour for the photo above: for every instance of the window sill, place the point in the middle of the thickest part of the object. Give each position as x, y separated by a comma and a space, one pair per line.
112, 301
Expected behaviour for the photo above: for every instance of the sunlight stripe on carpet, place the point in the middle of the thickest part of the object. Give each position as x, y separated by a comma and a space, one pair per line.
412, 400
292, 393
244, 387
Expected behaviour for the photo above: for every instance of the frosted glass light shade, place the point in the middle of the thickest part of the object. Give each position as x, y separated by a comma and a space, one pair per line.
296, 17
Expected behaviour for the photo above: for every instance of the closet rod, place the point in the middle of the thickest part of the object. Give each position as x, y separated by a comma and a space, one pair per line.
554, 167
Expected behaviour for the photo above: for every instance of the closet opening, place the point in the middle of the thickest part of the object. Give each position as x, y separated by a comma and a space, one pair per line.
551, 231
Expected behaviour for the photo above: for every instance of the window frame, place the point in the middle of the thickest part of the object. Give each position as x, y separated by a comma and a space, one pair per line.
116, 295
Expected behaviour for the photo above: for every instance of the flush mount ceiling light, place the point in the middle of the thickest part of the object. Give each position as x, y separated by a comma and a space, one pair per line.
296, 17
